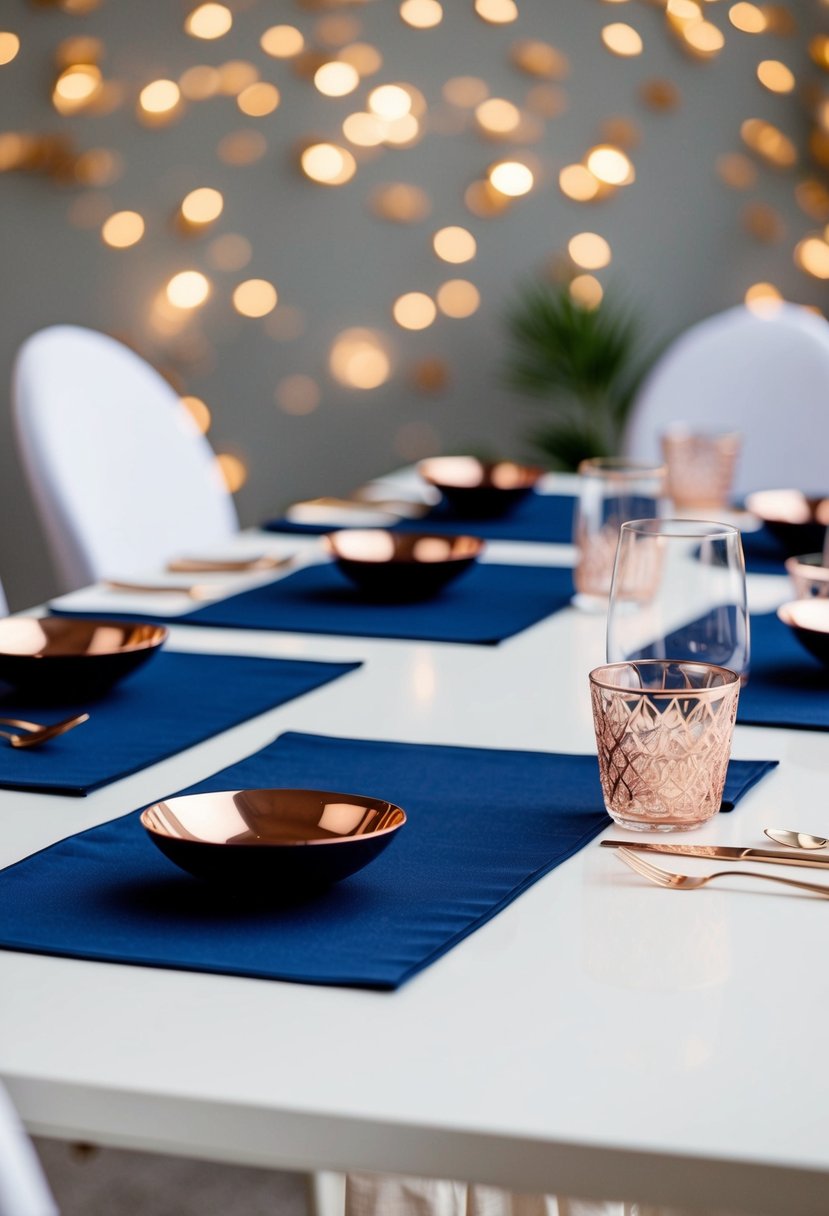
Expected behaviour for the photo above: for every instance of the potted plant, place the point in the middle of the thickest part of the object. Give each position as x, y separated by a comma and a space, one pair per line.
582, 365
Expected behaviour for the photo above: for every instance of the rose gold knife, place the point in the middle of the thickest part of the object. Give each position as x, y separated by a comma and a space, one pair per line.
714, 852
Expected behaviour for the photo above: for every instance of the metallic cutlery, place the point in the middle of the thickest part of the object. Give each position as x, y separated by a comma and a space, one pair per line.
251, 565
687, 882
712, 852
795, 840
195, 591
38, 732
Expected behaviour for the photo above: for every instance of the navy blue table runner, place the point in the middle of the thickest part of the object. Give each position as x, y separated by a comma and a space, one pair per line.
484, 825
546, 518
786, 687
484, 606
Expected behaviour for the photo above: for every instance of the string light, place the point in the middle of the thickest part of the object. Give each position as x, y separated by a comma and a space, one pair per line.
255, 298
414, 310
122, 229
497, 12
589, 250
421, 14
202, 206
208, 21
512, 178
188, 289
282, 41
336, 79
458, 298
359, 360
622, 39
199, 412
454, 244
328, 164
9, 46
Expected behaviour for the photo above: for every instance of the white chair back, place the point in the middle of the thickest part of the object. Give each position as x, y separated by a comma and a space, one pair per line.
23, 1187
120, 475
765, 374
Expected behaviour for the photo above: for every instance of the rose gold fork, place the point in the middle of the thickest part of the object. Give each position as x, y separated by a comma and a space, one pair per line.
687, 882
38, 732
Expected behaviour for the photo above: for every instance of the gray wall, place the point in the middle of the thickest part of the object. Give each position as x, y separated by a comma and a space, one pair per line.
680, 249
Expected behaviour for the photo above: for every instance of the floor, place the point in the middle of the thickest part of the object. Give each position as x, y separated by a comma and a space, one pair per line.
88, 1181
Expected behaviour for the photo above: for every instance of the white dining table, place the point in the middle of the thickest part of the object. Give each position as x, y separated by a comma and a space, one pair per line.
600, 1037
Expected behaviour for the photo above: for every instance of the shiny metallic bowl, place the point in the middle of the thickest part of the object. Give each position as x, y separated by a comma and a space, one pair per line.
61, 659
401, 566
797, 520
809, 622
809, 575
276, 842
478, 489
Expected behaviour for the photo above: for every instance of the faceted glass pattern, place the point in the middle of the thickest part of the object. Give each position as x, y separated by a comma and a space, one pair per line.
663, 733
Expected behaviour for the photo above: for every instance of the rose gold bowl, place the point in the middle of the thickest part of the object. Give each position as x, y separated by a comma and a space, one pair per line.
61, 659
809, 575
479, 489
398, 565
809, 622
797, 520
282, 840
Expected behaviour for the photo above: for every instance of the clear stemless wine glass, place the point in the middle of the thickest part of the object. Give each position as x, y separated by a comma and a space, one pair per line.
679, 592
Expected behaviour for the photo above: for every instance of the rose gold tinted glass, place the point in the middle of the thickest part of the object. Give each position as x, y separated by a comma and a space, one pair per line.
700, 467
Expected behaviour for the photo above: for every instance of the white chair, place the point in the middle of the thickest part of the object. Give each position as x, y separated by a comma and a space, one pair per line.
120, 475
23, 1187
765, 374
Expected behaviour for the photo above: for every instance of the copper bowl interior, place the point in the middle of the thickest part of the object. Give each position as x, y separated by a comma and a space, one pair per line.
809, 575
401, 566
478, 489
293, 838
808, 620
70, 659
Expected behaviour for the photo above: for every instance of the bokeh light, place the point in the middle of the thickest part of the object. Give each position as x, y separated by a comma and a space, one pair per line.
188, 289
512, 178
622, 39
76, 87
421, 14
610, 165
763, 298
233, 471
736, 170
769, 142
255, 298
236, 75
775, 76
202, 206
454, 244
589, 250
496, 116
122, 229
199, 412
364, 130
335, 79
747, 18
465, 91
497, 12
812, 255
363, 57
578, 183
539, 59
159, 97
231, 251
297, 394
414, 310
390, 102
458, 298
199, 82
282, 41
586, 290
9, 46
358, 359
208, 21
328, 164
401, 203
258, 99
242, 147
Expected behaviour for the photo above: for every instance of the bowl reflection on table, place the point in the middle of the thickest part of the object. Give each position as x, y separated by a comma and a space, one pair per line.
55, 658
809, 575
479, 489
797, 520
284, 841
809, 622
401, 566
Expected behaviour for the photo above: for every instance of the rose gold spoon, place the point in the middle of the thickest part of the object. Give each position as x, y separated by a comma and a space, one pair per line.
38, 732
796, 840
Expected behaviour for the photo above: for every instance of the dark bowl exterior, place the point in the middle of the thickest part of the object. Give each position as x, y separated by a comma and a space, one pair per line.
476, 489
403, 581
55, 677
273, 872
483, 502
796, 538
808, 620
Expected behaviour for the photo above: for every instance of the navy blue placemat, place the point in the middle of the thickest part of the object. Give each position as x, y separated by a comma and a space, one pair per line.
786, 685
547, 518
173, 702
483, 826
484, 606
